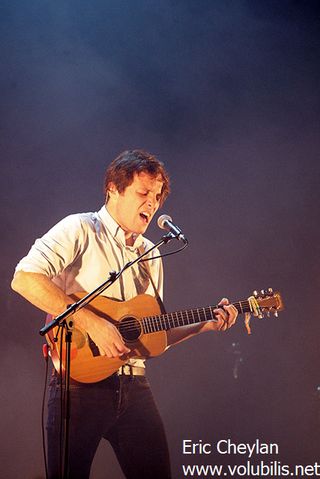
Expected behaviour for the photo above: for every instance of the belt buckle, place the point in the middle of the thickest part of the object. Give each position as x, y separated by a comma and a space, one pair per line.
126, 370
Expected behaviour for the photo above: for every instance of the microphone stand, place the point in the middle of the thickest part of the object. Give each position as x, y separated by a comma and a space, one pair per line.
62, 321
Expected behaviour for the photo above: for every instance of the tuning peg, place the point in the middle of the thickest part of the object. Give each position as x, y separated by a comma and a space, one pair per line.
255, 293
263, 293
270, 291
276, 314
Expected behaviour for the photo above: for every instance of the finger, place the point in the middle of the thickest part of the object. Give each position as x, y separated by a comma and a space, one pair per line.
113, 352
228, 312
118, 341
223, 325
232, 314
118, 334
220, 313
122, 348
101, 351
225, 319
223, 302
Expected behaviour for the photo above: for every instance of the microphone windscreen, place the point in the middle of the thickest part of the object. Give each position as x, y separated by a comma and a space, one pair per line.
162, 220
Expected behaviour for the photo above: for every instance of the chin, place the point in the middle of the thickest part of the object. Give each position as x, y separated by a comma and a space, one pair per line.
143, 229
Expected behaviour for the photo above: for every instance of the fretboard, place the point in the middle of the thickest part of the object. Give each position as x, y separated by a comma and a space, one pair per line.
163, 322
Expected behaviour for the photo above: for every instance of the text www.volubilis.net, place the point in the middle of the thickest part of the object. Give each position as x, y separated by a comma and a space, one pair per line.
262, 469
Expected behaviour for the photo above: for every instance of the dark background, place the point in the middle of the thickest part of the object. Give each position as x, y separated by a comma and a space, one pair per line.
226, 93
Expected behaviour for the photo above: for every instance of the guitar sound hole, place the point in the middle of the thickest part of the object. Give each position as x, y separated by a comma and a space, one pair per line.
130, 328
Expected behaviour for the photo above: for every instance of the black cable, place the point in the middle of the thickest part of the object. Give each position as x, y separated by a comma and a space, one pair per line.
45, 354
166, 254
62, 401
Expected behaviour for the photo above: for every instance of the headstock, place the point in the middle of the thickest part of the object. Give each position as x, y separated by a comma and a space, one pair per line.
260, 303
266, 301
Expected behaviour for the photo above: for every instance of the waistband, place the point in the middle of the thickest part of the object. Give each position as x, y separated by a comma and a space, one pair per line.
126, 370
129, 370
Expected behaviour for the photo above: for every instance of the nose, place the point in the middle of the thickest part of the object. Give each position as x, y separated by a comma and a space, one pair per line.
151, 201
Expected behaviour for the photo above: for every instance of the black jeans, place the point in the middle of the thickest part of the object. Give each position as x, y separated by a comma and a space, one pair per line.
120, 409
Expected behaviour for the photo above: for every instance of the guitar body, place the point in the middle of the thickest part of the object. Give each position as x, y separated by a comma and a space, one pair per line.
87, 365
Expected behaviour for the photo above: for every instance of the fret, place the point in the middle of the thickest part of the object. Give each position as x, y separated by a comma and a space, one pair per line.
167, 321
157, 323
144, 325
244, 306
203, 315
143, 322
171, 321
188, 319
198, 314
151, 324
147, 325
184, 317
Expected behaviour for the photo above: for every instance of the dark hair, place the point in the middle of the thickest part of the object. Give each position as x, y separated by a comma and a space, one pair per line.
121, 171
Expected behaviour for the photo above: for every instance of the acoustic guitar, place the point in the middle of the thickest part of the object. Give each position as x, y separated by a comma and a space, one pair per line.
143, 329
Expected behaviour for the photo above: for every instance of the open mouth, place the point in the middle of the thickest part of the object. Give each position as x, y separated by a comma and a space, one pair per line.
145, 217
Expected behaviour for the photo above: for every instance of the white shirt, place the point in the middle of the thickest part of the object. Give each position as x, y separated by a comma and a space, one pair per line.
79, 252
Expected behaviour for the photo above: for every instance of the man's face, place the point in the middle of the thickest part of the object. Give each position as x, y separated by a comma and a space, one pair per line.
134, 208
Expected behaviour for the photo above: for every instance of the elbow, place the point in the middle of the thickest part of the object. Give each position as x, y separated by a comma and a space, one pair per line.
16, 283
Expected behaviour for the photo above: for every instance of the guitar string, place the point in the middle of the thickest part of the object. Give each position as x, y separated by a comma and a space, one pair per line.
173, 317
154, 321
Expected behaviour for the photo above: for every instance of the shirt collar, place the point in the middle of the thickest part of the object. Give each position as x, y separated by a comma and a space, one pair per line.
116, 231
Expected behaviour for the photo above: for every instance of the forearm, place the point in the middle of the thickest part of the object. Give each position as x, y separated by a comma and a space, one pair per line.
225, 317
39, 290
177, 335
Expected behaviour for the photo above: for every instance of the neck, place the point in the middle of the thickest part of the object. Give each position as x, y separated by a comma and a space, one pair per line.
128, 235
129, 239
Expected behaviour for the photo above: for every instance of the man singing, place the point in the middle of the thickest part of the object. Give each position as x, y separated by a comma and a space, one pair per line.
76, 255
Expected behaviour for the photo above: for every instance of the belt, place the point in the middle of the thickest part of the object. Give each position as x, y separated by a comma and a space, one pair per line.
129, 370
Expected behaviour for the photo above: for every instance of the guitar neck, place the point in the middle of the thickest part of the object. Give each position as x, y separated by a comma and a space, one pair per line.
163, 322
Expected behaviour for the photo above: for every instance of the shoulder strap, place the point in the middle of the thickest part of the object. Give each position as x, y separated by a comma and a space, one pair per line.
156, 294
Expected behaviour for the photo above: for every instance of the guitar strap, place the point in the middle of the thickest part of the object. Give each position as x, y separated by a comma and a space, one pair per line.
157, 295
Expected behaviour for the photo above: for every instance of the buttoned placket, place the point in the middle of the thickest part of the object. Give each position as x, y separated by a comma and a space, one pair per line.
128, 253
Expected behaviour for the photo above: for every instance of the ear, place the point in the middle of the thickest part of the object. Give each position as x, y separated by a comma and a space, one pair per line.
112, 191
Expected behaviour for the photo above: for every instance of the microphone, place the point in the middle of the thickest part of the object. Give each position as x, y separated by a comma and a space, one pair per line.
165, 223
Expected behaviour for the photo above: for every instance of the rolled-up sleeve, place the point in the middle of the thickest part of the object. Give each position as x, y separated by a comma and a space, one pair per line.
56, 250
